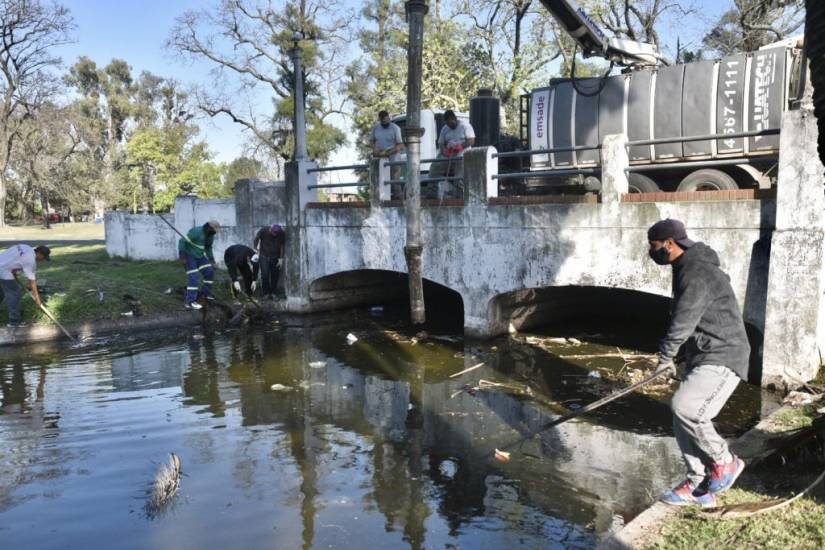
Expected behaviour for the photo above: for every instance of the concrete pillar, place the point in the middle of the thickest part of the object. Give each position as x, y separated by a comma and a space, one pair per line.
614, 163
296, 263
479, 169
379, 175
794, 328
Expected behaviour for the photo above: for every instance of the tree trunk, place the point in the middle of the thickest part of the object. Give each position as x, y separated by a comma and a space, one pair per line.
3, 182
44, 198
815, 49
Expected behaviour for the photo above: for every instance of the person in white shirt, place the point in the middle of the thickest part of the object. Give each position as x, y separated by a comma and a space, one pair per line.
20, 257
455, 136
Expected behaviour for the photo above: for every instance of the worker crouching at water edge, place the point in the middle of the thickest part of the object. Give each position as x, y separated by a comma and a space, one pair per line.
241, 263
18, 258
705, 317
195, 251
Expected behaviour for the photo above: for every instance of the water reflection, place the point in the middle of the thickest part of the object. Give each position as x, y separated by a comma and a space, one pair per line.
371, 443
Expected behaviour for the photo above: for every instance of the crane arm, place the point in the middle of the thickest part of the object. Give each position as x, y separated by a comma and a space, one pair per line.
592, 40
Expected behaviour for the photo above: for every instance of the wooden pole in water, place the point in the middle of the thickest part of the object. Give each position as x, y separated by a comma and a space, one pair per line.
416, 9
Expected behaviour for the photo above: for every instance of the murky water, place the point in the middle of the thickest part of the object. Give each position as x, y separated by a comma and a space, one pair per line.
372, 444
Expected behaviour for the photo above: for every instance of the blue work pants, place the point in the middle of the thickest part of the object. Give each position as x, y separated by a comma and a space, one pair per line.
195, 269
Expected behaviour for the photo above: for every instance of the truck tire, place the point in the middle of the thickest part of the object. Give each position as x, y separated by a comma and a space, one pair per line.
707, 179
639, 183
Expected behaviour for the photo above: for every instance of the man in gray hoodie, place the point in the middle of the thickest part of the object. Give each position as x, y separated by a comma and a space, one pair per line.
705, 318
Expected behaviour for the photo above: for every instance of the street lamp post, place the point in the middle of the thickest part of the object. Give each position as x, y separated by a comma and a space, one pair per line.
299, 121
416, 9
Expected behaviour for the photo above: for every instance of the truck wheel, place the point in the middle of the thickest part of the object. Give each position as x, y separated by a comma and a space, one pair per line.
707, 179
639, 183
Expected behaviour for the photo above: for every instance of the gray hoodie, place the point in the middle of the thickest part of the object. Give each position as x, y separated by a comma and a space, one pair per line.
705, 314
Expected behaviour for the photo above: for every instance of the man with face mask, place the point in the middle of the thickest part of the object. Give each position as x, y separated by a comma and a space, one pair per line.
387, 142
705, 318
195, 251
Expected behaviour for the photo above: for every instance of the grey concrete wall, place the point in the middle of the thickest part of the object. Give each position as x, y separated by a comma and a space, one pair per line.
260, 203
147, 237
483, 252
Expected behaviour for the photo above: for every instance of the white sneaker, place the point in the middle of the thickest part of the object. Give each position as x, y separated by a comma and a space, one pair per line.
193, 305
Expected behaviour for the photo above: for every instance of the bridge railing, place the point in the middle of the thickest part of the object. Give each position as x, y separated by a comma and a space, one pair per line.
319, 169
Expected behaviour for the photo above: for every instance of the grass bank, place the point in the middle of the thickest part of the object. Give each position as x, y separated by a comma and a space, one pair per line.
799, 525
82, 283
57, 232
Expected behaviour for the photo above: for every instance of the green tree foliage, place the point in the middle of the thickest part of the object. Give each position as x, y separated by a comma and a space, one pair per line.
242, 168
30, 30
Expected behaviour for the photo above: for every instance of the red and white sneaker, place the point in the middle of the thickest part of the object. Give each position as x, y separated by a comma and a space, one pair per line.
685, 494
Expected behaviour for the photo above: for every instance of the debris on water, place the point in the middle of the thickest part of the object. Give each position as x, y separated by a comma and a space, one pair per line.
346, 386
517, 389
502, 456
420, 336
594, 374
377, 311
448, 468
100, 296
317, 364
512, 329
798, 399
168, 291
574, 341
442, 338
279, 387
197, 336
351, 338
574, 406
164, 487
128, 313
410, 406
474, 367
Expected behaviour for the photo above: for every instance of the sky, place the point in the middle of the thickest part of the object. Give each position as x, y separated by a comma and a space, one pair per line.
136, 31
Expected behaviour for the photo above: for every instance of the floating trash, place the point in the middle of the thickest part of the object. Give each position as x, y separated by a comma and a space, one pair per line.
317, 364
502, 456
279, 387
377, 311
594, 374
351, 338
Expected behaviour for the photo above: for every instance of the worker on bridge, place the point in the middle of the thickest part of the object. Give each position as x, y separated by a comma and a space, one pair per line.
705, 318
241, 263
455, 136
387, 142
20, 257
195, 250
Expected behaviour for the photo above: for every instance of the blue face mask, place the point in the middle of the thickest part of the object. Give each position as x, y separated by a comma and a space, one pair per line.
660, 255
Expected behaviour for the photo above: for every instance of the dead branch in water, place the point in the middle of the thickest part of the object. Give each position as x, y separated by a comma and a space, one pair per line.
164, 487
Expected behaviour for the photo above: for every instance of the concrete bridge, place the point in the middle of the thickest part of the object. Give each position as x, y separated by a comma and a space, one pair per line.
507, 257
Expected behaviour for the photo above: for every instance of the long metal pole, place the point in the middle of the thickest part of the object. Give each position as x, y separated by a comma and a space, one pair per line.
416, 9
300, 128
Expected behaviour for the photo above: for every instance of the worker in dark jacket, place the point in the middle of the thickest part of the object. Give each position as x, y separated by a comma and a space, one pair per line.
195, 251
269, 242
241, 263
705, 318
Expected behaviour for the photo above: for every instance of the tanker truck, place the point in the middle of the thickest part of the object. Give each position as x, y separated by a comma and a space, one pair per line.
741, 93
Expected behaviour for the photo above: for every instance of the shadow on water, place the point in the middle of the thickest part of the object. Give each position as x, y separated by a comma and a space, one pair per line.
368, 442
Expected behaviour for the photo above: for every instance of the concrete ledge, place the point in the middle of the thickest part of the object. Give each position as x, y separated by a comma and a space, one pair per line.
348, 204
696, 196
545, 199
752, 445
42, 333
